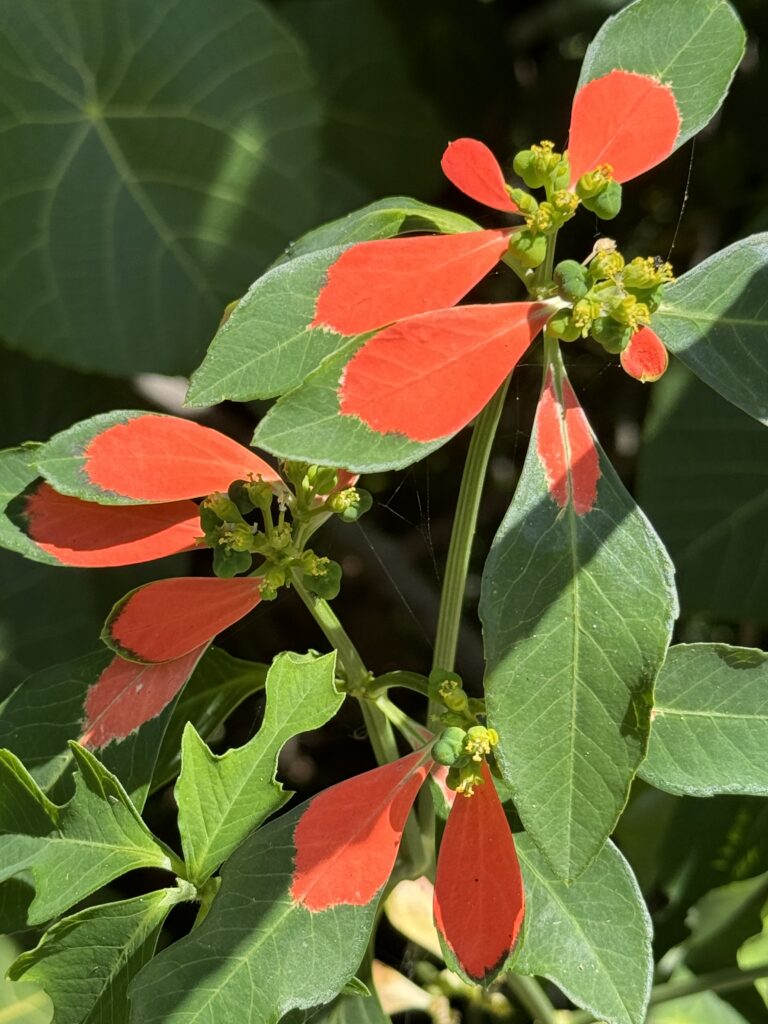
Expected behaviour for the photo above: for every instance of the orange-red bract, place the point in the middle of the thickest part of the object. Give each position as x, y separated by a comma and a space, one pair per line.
645, 358
473, 168
429, 375
126, 695
347, 839
479, 898
566, 448
165, 458
376, 283
82, 533
624, 119
170, 618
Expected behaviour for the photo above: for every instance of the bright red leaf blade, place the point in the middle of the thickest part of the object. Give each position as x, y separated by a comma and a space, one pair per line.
170, 618
479, 899
473, 169
627, 120
348, 838
165, 458
645, 358
428, 376
566, 448
84, 534
126, 695
375, 283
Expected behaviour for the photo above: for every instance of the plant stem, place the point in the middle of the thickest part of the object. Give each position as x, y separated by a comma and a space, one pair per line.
533, 997
463, 532
357, 675
716, 981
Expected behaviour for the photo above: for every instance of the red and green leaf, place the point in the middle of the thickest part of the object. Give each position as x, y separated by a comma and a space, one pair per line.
124, 458
347, 840
566, 448
645, 357
479, 900
171, 618
83, 533
429, 375
472, 168
624, 119
375, 283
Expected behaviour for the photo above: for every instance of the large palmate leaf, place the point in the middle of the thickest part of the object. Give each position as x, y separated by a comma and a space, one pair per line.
222, 798
702, 481
714, 318
71, 851
257, 947
592, 938
577, 607
695, 46
157, 155
710, 722
266, 347
86, 962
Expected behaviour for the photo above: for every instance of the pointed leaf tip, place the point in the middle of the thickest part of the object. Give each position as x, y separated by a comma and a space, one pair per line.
479, 899
566, 448
376, 283
168, 619
165, 458
347, 840
624, 119
645, 358
126, 695
472, 168
85, 534
428, 376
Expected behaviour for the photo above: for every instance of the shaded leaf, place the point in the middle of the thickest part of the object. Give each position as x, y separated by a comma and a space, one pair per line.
20, 1003
222, 798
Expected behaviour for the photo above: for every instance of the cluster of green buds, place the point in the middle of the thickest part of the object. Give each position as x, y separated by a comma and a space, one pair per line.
599, 192
464, 743
317, 493
607, 298
540, 167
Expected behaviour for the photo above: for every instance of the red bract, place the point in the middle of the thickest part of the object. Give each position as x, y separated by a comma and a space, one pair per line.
431, 367
347, 840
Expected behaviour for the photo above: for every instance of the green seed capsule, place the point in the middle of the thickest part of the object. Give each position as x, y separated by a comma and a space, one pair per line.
613, 336
449, 746
572, 280
607, 203
528, 249
560, 325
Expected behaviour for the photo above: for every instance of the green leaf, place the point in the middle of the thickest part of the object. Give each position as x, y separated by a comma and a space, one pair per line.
754, 953
17, 471
701, 479
158, 155
713, 318
722, 921
222, 798
72, 850
266, 347
256, 948
695, 47
85, 962
20, 1004
697, 1009
710, 722
591, 938
306, 425
577, 609
219, 684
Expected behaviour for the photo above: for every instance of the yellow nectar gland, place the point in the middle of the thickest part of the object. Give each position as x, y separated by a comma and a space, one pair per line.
480, 741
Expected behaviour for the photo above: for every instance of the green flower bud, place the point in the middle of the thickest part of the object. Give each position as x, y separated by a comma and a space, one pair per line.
326, 580
350, 504
228, 563
605, 204
480, 740
606, 265
613, 336
585, 311
449, 746
260, 493
525, 166
322, 479
561, 174
530, 250
564, 203
274, 577
222, 507
594, 182
560, 325
238, 493
572, 280
642, 274
523, 200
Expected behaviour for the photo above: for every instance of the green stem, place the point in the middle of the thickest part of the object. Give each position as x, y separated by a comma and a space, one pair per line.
463, 532
355, 672
716, 981
533, 997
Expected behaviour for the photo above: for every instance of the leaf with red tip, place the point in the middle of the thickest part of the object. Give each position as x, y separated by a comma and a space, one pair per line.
170, 618
82, 533
473, 169
376, 283
429, 375
567, 448
124, 458
126, 695
347, 839
645, 357
627, 120
479, 899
